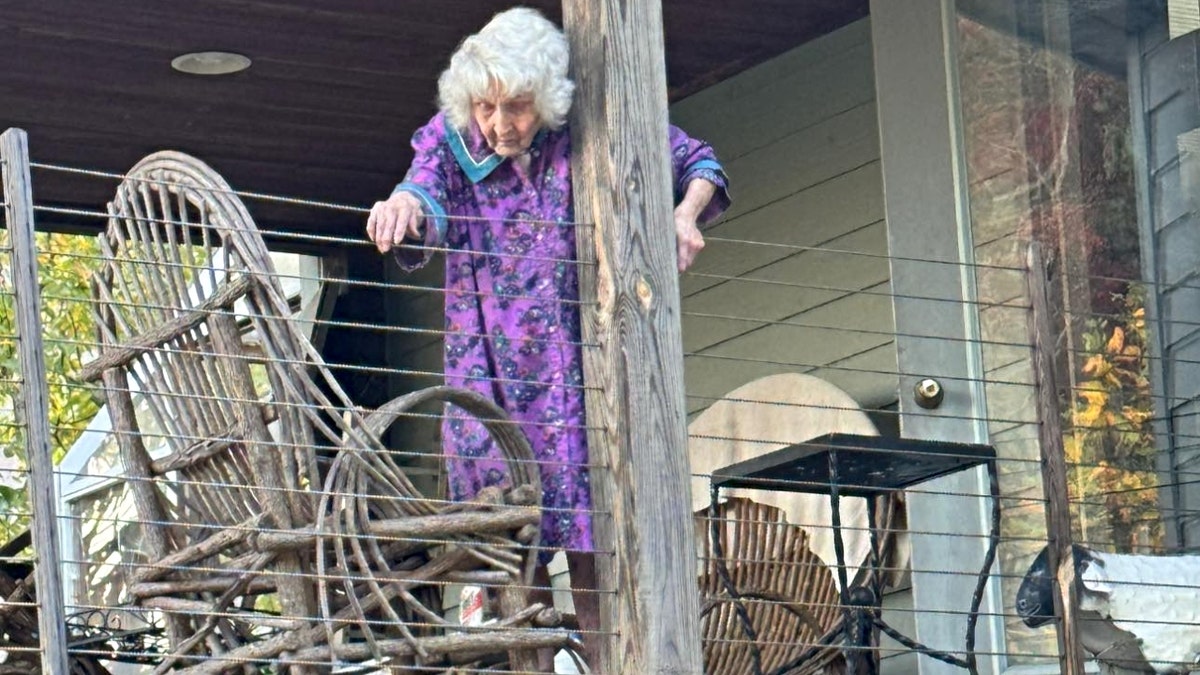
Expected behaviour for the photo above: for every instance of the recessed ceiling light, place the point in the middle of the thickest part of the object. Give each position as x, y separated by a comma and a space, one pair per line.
210, 63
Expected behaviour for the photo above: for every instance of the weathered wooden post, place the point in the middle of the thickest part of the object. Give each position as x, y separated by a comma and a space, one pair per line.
1054, 464
34, 410
622, 186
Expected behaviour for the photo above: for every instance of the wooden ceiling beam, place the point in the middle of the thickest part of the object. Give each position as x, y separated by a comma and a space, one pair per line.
335, 91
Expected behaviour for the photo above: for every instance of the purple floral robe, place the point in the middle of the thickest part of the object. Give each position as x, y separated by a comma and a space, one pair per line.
512, 304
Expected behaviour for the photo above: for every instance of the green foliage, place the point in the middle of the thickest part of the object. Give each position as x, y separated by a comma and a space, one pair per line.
13, 507
64, 269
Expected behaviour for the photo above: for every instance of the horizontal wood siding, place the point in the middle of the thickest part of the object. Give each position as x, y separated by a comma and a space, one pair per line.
795, 278
1170, 102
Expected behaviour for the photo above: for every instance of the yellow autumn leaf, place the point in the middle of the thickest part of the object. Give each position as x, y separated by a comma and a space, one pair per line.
1136, 416
1130, 358
1096, 366
1094, 399
1116, 343
1072, 449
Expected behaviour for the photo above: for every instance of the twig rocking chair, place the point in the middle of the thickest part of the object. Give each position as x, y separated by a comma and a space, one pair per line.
278, 531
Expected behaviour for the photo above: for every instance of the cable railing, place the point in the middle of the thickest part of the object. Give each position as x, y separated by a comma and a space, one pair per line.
369, 569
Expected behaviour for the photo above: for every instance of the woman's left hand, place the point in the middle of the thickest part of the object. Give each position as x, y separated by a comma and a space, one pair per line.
688, 240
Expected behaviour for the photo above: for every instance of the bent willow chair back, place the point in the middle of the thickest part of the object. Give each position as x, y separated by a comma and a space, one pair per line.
277, 530
769, 604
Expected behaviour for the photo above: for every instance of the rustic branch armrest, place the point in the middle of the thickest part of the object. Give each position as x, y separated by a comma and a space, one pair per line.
119, 356
522, 466
414, 527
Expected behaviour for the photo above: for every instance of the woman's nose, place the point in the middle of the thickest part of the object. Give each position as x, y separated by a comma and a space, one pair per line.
501, 120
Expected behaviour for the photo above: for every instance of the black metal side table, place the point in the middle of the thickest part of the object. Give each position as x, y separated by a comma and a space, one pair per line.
870, 466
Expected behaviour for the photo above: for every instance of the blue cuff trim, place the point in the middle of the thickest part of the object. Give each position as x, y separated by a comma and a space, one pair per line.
433, 210
714, 173
475, 170
705, 168
710, 164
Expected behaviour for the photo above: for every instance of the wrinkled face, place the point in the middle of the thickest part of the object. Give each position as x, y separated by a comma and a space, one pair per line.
509, 123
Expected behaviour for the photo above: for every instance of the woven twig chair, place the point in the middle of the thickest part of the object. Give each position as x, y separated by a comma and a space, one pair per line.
769, 604
277, 527
766, 596
766, 536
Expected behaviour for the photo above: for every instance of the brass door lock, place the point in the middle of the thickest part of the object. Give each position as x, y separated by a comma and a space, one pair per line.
929, 393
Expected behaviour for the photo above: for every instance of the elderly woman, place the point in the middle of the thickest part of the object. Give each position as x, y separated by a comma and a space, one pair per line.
490, 183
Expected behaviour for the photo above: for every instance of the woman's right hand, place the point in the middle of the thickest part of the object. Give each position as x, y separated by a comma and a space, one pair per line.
394, 220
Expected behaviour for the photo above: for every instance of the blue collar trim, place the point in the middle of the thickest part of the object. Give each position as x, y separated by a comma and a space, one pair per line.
477, 169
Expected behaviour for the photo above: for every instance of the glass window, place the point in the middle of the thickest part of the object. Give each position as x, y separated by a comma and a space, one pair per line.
1057, 134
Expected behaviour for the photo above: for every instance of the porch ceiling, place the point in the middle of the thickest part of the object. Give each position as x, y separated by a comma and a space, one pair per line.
335, 89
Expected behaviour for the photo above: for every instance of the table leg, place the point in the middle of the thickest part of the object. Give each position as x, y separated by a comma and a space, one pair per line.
849, 633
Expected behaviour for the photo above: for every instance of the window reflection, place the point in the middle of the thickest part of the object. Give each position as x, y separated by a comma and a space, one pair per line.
1052, 118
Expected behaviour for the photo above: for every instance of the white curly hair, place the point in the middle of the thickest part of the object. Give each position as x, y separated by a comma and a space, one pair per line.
519, 52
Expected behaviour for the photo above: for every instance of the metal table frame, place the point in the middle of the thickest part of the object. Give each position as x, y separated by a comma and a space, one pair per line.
870, 466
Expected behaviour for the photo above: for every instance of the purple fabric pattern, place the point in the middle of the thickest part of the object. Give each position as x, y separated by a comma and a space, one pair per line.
512, 304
